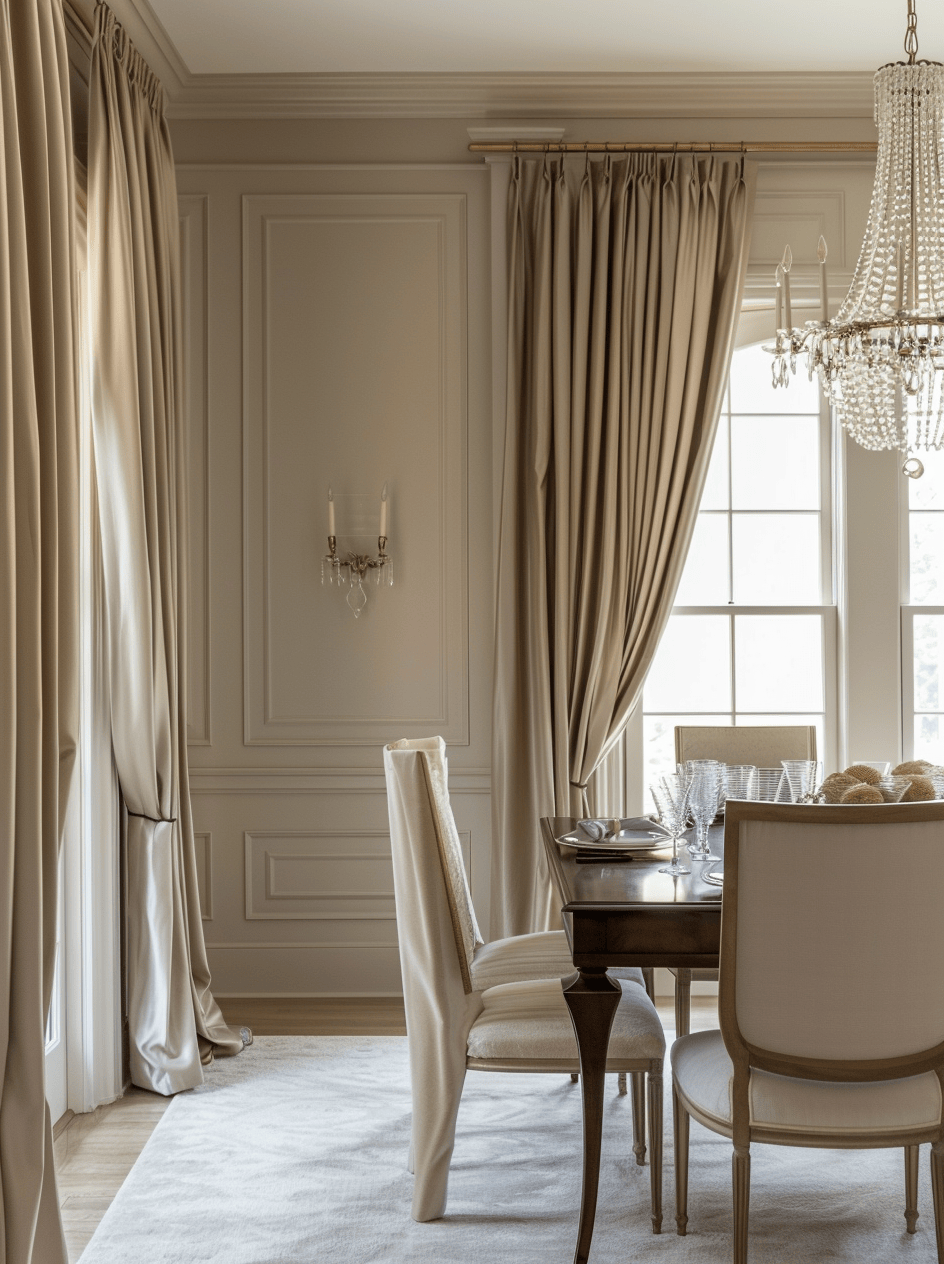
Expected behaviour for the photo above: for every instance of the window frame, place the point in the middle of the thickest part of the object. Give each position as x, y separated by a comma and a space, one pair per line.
830, 469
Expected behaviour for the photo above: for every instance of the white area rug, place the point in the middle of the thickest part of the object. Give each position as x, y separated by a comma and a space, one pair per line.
295, 1153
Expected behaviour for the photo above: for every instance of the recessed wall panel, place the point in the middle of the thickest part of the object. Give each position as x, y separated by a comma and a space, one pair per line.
355, 367
323, 875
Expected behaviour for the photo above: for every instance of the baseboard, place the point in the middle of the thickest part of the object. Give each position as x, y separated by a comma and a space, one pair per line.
62, 1124
308, 996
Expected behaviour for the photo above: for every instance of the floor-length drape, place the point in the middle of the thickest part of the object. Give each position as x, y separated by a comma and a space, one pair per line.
625, 283
137, 419
38, 609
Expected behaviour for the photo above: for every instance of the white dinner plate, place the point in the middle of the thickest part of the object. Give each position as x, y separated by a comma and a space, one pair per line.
625, 840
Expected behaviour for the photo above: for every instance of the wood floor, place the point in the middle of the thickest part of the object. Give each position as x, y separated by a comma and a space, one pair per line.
95, 1152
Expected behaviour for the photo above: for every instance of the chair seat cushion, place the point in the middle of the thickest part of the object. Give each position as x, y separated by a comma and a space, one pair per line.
531, 1020
704, 1076
541, 956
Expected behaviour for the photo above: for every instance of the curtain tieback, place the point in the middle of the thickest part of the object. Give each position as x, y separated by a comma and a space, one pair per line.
158, 820
577, 786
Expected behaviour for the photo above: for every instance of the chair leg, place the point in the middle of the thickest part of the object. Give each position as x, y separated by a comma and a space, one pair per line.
683, 1002
911, 1186
680, 1124
409, 1158
937, 1188
574, 1077
649, 976
621, 1084
741, 1179
639, 1116
655, 1147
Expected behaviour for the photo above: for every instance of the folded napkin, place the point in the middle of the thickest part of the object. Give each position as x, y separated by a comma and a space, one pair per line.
597, 829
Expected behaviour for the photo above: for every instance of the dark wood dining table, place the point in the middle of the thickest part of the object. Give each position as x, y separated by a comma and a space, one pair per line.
622, 913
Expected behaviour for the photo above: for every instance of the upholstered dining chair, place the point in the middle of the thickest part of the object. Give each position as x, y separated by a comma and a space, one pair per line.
831, 996
764, 746
487, 1007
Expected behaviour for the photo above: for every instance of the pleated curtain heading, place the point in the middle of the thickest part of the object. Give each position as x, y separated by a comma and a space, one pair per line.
626, 277
139, 442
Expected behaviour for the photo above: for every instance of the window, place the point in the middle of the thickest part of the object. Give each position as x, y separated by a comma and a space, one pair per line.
751, 639
923, 614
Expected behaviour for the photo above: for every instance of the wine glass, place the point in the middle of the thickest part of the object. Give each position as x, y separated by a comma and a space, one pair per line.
703, 805
671, 799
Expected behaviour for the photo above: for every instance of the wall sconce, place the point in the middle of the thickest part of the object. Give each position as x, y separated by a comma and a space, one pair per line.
350, 572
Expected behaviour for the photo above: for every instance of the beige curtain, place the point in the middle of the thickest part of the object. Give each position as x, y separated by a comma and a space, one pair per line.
137, 419
625, 283
38, 608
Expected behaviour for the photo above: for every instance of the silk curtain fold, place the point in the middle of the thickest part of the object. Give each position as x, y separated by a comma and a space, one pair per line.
138, 428
38, 594
626, 279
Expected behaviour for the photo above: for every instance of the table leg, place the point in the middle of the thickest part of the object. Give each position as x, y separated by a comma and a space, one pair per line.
592, 998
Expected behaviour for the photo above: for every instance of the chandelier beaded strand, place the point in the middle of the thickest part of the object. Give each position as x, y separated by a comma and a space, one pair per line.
881, 359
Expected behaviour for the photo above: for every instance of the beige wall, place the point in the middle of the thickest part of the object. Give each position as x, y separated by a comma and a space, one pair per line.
340, 304
336, 334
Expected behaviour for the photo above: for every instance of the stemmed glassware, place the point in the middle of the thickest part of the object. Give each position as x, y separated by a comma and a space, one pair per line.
671, 799
705, 794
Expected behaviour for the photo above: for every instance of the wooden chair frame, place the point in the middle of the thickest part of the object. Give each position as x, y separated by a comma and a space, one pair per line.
745, 1056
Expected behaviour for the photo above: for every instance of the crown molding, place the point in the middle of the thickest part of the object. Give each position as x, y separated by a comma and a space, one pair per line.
735, 95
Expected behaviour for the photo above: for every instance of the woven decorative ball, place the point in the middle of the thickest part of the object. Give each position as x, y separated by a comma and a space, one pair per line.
862, 793
834, 787
863, 772
920, 790
910, 767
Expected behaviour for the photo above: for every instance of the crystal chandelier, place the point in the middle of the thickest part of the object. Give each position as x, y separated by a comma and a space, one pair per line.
881, 359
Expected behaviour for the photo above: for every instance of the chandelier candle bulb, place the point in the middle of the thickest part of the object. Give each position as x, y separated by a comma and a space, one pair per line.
383, 511
778, 281
331, 530
786, 263
821, 253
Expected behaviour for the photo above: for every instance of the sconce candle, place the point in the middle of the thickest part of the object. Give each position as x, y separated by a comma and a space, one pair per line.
331, 530
383, 511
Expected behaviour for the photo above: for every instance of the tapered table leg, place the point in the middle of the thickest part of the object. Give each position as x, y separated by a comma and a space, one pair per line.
592, 998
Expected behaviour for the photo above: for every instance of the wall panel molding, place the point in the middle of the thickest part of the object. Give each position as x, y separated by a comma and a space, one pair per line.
195, 310
203, 841
266, 781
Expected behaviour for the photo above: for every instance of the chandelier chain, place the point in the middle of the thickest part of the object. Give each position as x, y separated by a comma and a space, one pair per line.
911, 36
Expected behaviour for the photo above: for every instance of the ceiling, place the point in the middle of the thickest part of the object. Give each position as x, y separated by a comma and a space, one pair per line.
606, 36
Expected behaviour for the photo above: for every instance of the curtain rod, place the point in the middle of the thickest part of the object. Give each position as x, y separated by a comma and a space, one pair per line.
681, 147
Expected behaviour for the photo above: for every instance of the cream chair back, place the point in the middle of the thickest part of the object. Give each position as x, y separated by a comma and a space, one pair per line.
763, 745
832, 930
427, 853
